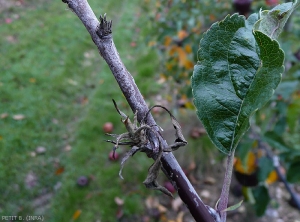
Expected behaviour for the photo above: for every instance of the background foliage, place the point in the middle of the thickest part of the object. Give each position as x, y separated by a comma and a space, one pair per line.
177, 26
54, 94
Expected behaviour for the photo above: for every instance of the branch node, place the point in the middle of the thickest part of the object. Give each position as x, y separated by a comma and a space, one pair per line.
214, 213
104, 28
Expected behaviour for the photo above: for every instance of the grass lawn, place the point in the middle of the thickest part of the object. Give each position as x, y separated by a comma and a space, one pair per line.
55, 96
55, 93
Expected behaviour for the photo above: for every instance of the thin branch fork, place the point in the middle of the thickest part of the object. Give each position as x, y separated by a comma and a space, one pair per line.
104, 42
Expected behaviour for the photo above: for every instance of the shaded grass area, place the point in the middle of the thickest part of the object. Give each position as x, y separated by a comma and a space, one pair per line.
51, 73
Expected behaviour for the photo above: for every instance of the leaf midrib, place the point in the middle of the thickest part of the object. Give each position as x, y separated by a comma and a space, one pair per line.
236, 123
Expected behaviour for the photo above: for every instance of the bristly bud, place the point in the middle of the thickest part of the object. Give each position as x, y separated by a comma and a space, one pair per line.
104, 28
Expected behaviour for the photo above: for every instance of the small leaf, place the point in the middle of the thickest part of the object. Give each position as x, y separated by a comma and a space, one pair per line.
128, 154
212, 17
243, 149
188, 48
177, 203
151, 43
173, 50
76, 214
234, 207
162, 79
168, 41
4, 115
60, 170
18, 117
188, 64
275, 141
67, 147
182, 34
151, 202
182, 56
265, 168
293, 175
72, 82
262, 199
248, 194
237, 73
32, 80
293, 114
119, 201
31, 180
280, 124
250, 167
169, 66
216, 205
290, 155
180, 216
271, 22
40, 150
272, 177
286, 88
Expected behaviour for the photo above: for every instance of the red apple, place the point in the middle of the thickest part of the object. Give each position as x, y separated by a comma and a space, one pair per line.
108, 127
113, 156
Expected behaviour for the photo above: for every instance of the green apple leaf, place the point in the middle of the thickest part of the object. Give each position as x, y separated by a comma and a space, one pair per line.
293, 114
234, 207
293, 175
262, 199
237, 73
276, 141
266, 166
271, 22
